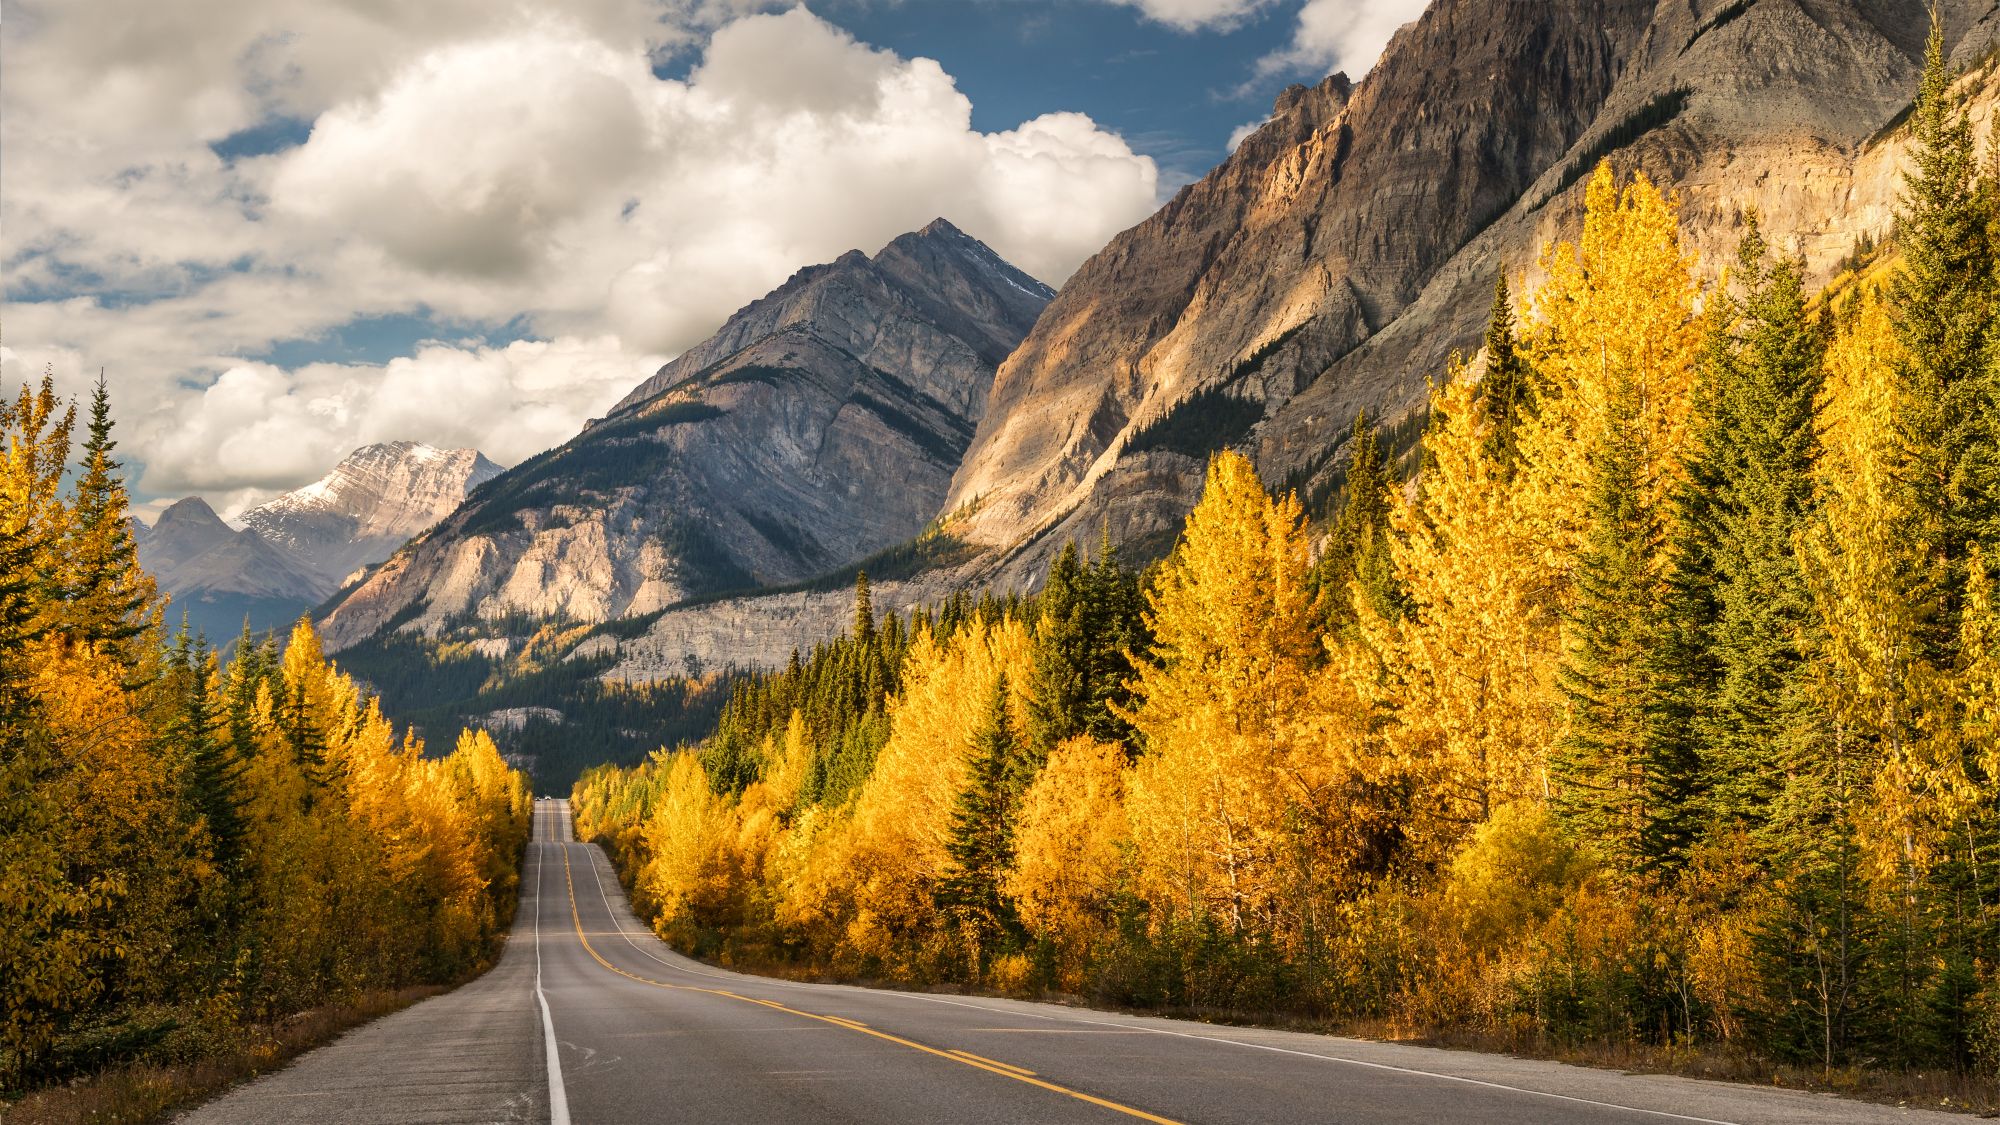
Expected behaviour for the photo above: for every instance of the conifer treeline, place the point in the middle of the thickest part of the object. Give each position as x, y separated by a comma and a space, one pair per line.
188, 847
1663, 705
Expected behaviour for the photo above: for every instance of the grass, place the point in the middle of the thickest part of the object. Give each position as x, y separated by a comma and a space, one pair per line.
148, 1092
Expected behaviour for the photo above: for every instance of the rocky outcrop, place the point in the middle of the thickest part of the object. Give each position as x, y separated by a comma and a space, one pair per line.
820, 425
373, 502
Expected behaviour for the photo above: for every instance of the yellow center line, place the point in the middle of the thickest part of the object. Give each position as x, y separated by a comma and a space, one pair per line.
963, 1058
990, 1062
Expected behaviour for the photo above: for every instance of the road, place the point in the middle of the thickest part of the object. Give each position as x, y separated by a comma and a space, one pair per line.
589, 1018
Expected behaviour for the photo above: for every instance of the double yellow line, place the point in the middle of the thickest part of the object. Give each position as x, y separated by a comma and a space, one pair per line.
963, 1058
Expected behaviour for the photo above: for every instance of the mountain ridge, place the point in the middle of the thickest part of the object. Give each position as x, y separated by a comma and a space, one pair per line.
818, 425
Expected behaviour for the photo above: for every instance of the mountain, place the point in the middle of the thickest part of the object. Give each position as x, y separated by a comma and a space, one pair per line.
373, 502
1343, 252
1335, 261
218, 576
820, 425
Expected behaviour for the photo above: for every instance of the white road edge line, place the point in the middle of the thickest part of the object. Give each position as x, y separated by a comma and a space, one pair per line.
1176, 1034
558, 1098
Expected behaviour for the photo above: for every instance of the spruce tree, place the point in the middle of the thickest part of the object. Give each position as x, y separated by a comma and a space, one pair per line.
211, 772
1619, 786
864, 609
1505, 390
1060, 687
1117, 636
1943, 303
109, 596
981, 844
1357, 543
1765, 442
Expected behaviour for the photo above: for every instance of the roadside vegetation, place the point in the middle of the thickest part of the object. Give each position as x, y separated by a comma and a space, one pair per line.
1657, 720
204, 868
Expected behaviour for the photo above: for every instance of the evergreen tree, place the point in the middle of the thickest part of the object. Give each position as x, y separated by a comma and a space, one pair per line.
1060, 689
1763, 445
1118, 636
864, 610
211, 772
1357, 545
1619, 786
1943, 303
109, 596
1088, 621
1505, 390
981, 844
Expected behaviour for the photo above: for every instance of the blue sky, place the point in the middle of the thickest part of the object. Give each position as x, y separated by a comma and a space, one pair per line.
1173, 95
286, 228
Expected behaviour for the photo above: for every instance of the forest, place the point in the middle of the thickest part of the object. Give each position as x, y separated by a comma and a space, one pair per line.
193, 854
1661, 705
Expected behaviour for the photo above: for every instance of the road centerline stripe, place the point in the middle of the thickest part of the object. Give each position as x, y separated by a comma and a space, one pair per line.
1001, 1069
990, 1062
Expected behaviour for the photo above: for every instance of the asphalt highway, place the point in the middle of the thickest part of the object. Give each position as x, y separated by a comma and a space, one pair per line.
589, 1018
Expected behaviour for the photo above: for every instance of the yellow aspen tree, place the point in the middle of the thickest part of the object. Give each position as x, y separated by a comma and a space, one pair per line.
1218, 708
1070, 842
1872, 678
1465, 677
1616, 312
692, 874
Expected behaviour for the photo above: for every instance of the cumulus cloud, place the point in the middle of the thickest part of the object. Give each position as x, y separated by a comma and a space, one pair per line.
671, 204
258, 429
1344, 35
483, 165
1190, 15
1242, 132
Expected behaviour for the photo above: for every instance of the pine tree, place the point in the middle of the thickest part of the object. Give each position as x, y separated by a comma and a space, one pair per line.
1088, 623
981, 842
1506, 390
1060, 689
1356, 558
1943, 304
1764, 449
864, 610
1619, 787
211, 773
1118, 635
110, 598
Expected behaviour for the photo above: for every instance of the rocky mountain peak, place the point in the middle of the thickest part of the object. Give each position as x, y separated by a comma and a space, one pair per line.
191, 516
371, 503
819, 425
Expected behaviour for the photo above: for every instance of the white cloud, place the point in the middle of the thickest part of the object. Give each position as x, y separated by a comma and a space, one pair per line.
258, 429
1190, 15
480, 164
1242, 132
1344, 35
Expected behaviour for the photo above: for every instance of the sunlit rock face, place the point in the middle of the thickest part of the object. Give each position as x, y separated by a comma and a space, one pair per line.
373, 502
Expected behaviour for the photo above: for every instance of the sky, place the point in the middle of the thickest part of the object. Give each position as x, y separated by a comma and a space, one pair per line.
287, 228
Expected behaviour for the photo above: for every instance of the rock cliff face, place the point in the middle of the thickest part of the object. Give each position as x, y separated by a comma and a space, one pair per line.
1335, 260
373, 502
822, 424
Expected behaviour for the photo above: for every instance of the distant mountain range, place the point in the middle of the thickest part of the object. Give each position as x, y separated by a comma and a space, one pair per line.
299, 548
818, 426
